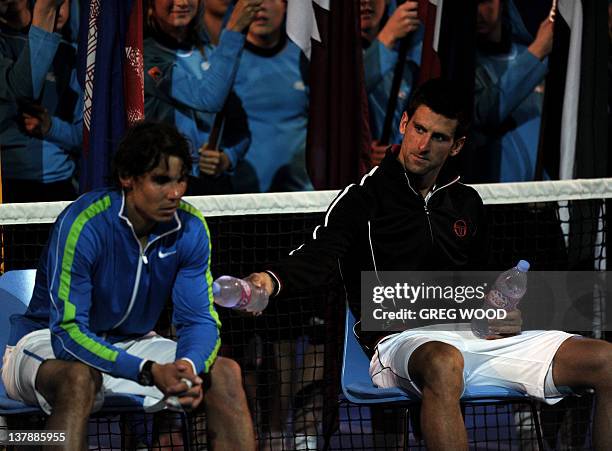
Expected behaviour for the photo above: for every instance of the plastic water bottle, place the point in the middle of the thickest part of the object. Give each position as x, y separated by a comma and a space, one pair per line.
506, 293
240, 294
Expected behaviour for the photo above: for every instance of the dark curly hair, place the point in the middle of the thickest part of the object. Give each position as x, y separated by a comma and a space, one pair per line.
144, 145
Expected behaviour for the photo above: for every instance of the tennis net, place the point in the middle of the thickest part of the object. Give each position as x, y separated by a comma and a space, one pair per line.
290, 354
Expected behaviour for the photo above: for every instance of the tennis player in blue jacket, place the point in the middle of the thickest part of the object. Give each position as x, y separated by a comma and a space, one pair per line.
114, 258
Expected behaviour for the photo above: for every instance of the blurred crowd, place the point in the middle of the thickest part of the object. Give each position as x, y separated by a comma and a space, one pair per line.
226, 74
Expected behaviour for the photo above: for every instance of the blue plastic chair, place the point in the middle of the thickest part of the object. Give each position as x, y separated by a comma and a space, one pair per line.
16, 289
358, 388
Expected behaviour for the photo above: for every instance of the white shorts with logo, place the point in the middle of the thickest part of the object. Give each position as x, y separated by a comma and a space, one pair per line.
521, 362
21, 364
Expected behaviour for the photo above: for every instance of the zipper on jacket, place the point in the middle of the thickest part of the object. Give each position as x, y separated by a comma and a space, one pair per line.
427, 198
429, 194
143, 259
428, 219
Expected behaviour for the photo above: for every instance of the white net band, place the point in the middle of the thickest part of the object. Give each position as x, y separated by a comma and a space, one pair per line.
318, 201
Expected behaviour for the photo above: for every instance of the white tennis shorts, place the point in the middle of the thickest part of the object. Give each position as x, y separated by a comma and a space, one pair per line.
521, 362
21, 364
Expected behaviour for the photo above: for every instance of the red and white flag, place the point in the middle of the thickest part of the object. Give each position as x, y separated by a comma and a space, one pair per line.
338, 142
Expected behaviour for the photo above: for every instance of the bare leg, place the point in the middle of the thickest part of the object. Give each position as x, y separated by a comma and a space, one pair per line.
70, 388
582, 362
437, 368
282, 392
230, 426
308, 398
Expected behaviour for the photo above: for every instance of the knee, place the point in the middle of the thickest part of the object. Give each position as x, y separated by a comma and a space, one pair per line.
226, 381
602, 365
69, 382
584, 362
81, 381
438, 368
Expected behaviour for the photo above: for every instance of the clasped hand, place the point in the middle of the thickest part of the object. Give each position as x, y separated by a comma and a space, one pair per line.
177, 379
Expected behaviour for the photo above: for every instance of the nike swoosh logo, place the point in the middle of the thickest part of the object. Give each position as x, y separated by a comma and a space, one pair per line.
161, 254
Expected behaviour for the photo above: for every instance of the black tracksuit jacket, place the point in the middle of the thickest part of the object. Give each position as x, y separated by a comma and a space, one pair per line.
384, 224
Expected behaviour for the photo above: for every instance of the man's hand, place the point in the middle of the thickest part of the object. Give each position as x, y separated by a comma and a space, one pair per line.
36, 121
262, 280
178, 380
543, 42
404, 20
501, 328
213, 162
243, 14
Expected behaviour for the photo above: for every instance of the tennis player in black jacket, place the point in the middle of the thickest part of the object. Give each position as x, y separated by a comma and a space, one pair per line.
409, 214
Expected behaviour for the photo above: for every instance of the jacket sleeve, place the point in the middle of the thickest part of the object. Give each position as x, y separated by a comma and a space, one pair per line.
73, 250
312, 264
377, 61
238, 150
195, 318
69, 135
25, 76
205, 93
497, 98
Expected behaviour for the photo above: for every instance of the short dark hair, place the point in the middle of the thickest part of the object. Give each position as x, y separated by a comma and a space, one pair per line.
144, 145
443, 97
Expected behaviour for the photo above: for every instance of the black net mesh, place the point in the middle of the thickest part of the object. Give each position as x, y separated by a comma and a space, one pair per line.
290, 355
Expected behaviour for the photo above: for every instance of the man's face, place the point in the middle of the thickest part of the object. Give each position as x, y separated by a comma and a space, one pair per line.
155, 196
489, 16
174, 14
269, 18
428, 141
371, 12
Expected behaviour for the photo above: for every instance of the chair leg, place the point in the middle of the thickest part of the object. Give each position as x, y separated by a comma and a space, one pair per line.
414, 418
329, 427
406, 429
123, 428
186, 430
536, 420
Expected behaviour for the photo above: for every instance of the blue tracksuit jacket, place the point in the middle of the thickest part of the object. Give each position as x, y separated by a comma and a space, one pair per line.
96, 285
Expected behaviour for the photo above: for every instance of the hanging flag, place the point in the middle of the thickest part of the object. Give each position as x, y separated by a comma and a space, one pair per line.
449, 41
430, 13
571, 14
338, 142
573, 141
110, 48
593, 157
